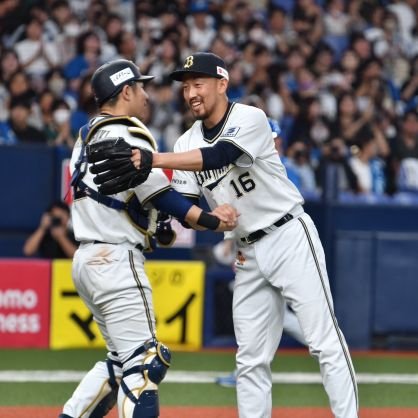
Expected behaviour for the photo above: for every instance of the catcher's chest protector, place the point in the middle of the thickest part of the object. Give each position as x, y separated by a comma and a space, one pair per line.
142, 219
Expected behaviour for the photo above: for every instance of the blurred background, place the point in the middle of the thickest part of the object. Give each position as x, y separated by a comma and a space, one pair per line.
341, 79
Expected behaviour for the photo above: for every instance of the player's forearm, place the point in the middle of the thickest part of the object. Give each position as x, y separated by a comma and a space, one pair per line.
186, 161
223, 217
206, 158
201, 220
192, 216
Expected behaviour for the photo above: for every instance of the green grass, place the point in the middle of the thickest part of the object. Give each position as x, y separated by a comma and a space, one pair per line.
384, 395
36, 359
44, 394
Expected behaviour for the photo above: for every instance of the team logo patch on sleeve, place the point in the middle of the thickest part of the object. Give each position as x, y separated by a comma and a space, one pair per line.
231, 132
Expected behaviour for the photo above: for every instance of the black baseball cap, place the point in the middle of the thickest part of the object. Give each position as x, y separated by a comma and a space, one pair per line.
203, 63
109, 79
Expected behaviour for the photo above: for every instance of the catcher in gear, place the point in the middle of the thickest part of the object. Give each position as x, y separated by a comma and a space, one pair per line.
114, 230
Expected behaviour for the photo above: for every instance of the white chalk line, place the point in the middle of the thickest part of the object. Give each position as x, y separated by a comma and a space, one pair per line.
182, 376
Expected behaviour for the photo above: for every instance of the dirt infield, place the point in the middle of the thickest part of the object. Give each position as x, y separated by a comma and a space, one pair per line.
209, 412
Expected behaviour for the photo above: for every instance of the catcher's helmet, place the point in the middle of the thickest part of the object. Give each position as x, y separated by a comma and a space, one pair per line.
108, 80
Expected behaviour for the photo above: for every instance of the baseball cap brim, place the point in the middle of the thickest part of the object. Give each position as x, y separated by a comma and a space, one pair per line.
145, 78
179, 74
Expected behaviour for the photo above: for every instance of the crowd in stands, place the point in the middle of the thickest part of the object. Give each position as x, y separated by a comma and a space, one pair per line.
341, 77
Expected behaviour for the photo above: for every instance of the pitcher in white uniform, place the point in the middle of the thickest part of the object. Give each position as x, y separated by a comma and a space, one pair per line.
230, 158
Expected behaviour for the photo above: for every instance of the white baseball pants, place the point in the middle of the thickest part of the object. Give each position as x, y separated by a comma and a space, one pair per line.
112, 282
288, 264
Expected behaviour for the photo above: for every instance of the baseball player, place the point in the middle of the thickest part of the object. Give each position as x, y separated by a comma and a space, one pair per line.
108, 268
228, 157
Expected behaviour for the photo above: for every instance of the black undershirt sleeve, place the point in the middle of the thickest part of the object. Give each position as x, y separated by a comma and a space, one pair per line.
220, 155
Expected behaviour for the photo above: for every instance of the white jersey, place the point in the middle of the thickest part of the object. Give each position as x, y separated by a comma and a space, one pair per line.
93, 221
256, 185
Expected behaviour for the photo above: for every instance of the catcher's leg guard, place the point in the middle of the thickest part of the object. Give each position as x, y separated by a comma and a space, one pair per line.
96, 394
109, 401
144, 401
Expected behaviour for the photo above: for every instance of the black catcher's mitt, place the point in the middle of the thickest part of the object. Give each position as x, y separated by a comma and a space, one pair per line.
114, 171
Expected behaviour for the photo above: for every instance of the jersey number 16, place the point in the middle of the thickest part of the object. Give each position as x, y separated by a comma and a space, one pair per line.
244, 185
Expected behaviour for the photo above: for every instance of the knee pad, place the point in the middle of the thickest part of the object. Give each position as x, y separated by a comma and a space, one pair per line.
153, 368
156, 365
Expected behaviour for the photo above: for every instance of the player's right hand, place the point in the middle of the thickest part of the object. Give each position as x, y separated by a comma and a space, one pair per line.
228, 216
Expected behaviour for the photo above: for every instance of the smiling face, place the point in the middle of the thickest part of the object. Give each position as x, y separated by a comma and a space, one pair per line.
206, 97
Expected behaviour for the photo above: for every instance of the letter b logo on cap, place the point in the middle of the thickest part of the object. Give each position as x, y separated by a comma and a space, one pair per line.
188, 62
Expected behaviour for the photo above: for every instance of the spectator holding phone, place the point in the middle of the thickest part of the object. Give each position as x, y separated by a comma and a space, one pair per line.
54, 237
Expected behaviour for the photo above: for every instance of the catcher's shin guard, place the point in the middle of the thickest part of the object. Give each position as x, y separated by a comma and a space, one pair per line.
97, 393
144, 401
147, 405
109, 401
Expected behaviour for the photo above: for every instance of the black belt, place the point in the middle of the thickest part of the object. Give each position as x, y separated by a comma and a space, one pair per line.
139, 247
256, 235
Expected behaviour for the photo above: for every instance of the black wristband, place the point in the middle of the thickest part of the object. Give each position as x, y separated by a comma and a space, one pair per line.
208, 221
